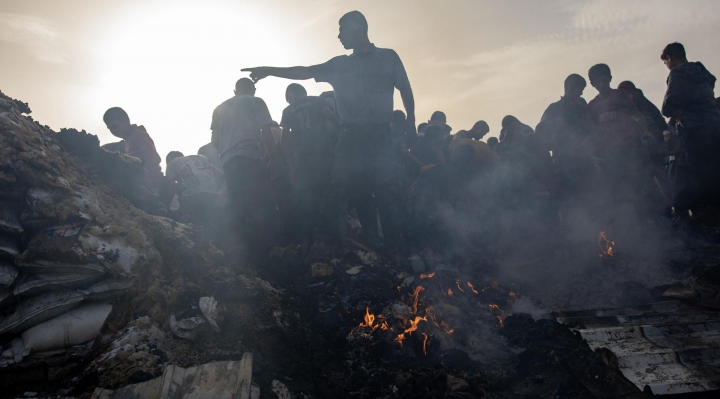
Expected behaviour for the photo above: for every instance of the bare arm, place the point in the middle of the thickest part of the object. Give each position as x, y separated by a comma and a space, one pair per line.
409, 103
330, 116
294, 73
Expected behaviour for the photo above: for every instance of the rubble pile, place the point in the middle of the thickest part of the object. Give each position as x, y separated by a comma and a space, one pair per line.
70, 245
102, 297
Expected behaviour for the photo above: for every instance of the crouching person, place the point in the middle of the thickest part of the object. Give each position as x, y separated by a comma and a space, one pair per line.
196, 182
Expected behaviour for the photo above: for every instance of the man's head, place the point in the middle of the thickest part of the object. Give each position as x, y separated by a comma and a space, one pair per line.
510, 122
421, 127
244, 87
438, 118
117, 121
673, 55
398, 118
294, 92
628, 86
353, 30
479, 130
492, 142
574, 86
600, 77
172, 155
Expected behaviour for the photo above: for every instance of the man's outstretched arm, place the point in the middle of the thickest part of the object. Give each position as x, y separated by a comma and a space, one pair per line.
294, 73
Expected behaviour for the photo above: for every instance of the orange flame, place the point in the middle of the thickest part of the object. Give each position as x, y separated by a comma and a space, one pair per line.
427, 275
472, 288
416, 294
409, 330
500, 320
425, 343
458, 285
384, 326
493, 306
447, 327
606, 246
450, 293
369, 319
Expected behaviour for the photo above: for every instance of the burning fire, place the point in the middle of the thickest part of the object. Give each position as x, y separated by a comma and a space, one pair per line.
472, 288
458, 285
427, 275
425, 343
496, 309
606, 246
413, 327
446, 327
369, 319
450, 292
416, 295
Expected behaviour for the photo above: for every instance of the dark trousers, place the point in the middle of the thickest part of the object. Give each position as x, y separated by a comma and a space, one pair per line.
251, 204
700, 184
198, 207
313, 177
362, 166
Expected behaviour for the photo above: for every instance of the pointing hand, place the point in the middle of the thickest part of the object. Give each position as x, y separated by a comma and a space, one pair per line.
257, 73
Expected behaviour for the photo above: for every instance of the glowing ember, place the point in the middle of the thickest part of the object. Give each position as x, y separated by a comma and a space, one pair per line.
429, 312
384, 326
446, 327
450, 293
606, 246
513, 295
496, 309
427, 275
472, 288
458, 285
416, 294
425, 343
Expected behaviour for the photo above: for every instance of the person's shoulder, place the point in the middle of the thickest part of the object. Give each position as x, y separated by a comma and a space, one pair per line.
595, 101
176, 162
386, 52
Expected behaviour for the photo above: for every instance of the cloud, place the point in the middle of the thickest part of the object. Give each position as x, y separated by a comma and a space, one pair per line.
628, 35
35, 34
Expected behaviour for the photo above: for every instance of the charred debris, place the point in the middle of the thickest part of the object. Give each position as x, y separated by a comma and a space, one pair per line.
102, 296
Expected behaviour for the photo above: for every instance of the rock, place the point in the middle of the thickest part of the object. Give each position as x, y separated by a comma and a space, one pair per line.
456, 384
321, 269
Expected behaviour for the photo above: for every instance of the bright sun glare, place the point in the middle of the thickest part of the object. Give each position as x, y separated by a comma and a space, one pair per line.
170, 65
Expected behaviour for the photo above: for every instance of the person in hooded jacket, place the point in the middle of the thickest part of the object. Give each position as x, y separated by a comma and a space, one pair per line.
690, 104
654, 120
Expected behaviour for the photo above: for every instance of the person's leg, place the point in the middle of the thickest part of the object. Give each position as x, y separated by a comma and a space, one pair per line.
237, 178
334, 203
261, 213
385, 186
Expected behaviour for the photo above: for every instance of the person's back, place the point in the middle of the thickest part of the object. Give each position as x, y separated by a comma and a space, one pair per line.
611, 115
194, 174
653, 118
690, 95
236, 124
310, 134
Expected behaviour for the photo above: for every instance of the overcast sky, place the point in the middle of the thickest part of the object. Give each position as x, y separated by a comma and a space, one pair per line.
170, 63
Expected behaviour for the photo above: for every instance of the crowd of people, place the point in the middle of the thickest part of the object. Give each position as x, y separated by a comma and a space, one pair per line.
346, 159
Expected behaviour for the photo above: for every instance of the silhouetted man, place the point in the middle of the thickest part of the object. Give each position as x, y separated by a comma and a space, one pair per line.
307, 143
137, 143
565, 123
690, 104
653, 118
364, 83
478, 131
238, 126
